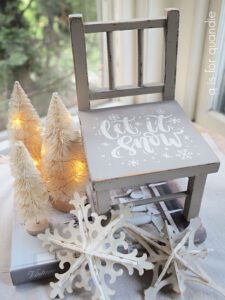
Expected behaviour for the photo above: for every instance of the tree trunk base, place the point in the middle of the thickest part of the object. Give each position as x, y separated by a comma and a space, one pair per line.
34, 228
63, 206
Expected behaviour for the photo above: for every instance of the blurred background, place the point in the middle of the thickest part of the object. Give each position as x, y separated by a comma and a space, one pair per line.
35, 49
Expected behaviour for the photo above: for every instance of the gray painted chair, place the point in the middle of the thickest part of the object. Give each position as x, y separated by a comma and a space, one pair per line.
142, 143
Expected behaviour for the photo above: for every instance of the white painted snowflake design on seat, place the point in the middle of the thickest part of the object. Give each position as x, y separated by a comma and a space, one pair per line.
174, 120
184, 154
138, 123
187, 138
114, 117
133, 162
105, 144
160, 111
166, 155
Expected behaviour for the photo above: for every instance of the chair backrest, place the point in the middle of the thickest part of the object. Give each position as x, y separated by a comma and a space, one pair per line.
170, 23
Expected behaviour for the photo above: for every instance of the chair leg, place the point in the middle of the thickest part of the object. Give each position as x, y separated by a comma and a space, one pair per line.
91, 196
103, 202
195, 191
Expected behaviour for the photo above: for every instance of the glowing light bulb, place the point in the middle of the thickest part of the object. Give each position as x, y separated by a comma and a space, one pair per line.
79, 169
16, 122
43, 150
36, 162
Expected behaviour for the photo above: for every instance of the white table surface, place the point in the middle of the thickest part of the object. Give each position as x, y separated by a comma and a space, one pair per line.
213, 218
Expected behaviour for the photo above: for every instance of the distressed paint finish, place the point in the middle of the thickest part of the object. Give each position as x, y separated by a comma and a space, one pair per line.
171, 41
80, 62
196, 186
124, 91
109, 35
78, 29
102, 201
141, 139
144, 143
140, 56
92, 27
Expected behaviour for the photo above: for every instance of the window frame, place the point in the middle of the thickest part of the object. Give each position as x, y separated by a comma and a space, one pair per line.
206, 115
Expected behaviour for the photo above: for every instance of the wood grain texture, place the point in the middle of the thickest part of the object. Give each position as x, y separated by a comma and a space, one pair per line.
171, 44
109, 35
140, 56
135, 143
195, 189
153, 177
78, 30
200, 158
103, 201
80, 61
124, 91
159, 198
92, 27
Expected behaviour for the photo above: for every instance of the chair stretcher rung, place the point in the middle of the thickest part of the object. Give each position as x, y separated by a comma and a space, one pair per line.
126, 91
157, 199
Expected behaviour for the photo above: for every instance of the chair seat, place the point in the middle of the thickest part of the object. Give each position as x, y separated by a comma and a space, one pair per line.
142, 139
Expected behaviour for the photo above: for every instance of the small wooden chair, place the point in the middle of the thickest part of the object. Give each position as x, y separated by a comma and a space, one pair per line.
143, 143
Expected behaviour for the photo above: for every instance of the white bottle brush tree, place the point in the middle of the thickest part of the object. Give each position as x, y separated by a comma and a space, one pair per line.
64, 163
31, 196
24, 123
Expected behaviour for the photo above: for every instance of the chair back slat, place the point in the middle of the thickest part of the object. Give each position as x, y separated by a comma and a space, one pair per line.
171, 44
92, 27
78, 30
80, 62
109, 35
140, 56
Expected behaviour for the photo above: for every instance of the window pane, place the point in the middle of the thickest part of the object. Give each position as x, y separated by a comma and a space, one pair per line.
216, 66
220, 102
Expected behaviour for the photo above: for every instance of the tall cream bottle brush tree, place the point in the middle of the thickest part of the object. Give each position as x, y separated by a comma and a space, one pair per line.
64, 163
24, 123
31, 196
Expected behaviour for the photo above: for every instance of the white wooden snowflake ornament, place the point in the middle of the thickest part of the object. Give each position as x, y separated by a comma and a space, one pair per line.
175, 259
92, 250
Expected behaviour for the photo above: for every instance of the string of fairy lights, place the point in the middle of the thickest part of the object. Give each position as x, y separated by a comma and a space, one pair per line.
62, 165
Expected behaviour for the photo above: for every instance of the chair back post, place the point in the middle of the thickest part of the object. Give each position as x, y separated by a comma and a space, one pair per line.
171, 44
80, 61
167, 88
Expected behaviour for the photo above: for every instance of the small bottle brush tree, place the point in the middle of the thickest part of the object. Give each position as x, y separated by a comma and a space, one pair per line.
31, 196
64, 164
24, 123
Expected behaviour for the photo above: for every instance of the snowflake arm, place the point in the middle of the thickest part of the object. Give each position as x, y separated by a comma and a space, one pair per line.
177, 264
92, 250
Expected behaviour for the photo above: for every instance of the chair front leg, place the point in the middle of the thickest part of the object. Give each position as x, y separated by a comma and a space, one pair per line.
103, 201
195, 191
